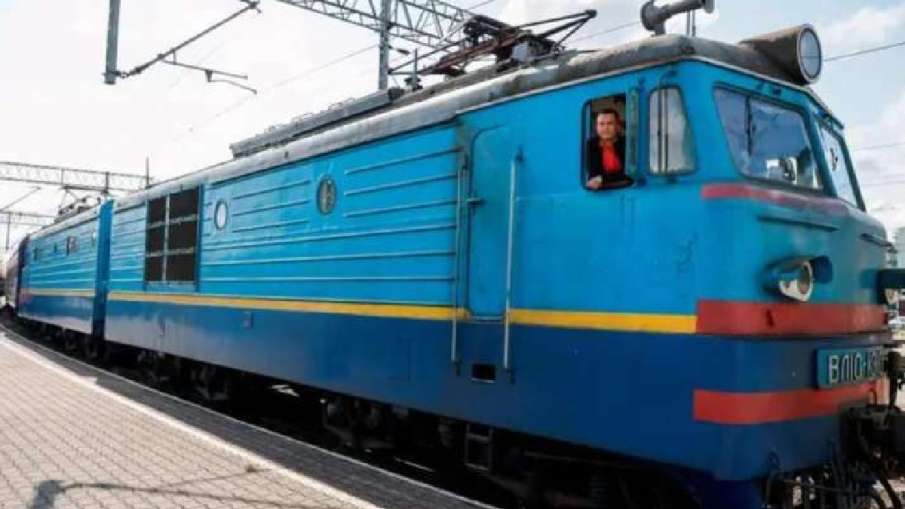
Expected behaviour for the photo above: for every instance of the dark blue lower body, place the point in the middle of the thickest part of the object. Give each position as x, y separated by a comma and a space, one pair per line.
71, 313
626, 393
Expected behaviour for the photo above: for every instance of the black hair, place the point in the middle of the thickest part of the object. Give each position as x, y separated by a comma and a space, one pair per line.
609, 111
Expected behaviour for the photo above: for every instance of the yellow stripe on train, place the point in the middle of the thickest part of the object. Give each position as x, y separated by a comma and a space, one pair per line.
344, 308
632, 322
57, 292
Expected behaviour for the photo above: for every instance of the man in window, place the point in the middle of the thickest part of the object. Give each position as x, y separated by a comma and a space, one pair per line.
605, 152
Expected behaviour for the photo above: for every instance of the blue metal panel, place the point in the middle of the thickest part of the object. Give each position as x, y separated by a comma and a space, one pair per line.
493, 152
127, 249
59, 286
390, 237
102, 279
67, 312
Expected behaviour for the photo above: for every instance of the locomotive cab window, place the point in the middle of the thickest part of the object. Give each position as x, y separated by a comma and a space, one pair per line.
671, 143
172, 238
767, 141
608, 152
840, 171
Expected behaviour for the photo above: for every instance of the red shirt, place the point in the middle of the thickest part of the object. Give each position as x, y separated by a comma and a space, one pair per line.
609, 159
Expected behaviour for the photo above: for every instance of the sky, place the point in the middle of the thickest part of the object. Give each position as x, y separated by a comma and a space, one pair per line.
55, 109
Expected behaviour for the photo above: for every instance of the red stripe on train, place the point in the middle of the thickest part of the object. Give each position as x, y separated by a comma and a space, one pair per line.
772, 196
775, 318
765, 407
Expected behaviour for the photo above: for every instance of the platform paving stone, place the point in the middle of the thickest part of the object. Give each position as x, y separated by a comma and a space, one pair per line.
107, 443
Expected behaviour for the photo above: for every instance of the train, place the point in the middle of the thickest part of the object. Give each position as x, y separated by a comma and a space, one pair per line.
434, 268
9, 280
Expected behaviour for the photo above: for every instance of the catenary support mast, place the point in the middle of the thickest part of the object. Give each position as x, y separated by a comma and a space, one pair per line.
384, 70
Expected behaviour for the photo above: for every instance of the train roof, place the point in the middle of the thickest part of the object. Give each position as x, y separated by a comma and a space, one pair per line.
444, 101
69, 222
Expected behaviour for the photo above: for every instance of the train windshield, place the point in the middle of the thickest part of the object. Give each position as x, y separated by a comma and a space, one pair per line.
839, 170
767, 141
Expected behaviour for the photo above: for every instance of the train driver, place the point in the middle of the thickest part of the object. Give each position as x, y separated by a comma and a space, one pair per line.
605, 152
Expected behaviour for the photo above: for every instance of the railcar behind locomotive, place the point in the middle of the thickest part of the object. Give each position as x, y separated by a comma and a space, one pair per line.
10, 278
438, 269
64, 276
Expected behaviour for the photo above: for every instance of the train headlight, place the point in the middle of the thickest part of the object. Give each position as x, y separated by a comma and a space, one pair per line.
798, 284
796, 50
810, 54
795, 278
892, 296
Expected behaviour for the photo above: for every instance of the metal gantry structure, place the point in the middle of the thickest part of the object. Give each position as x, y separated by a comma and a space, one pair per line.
432, 25
78, 179
170, 56
426, 23
30, 219
10, 218
68, 179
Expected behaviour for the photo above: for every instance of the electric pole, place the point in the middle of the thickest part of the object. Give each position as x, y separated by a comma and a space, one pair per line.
384, 70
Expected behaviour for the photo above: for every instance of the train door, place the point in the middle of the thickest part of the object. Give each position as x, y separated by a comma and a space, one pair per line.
493, 154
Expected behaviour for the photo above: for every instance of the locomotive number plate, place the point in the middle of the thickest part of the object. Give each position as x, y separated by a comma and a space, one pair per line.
848, 366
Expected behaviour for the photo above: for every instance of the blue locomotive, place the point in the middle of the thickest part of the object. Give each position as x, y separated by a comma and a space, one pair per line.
437, 267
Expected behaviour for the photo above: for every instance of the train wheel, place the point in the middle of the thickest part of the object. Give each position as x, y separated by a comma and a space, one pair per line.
93, 349
47, 334
71, 343
157, 368
537, 490
250, 391
211, 382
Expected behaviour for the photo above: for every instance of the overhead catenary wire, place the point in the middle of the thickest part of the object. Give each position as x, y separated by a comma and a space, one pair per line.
247, 99
610, 30
193, 127
882, 183
250, 5
306, 73
879, 147
883, 146
865, 51
348, 56
291, 79
480, 4
207, 56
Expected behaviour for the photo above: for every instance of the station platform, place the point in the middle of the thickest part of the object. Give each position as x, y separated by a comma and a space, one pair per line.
72, 436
